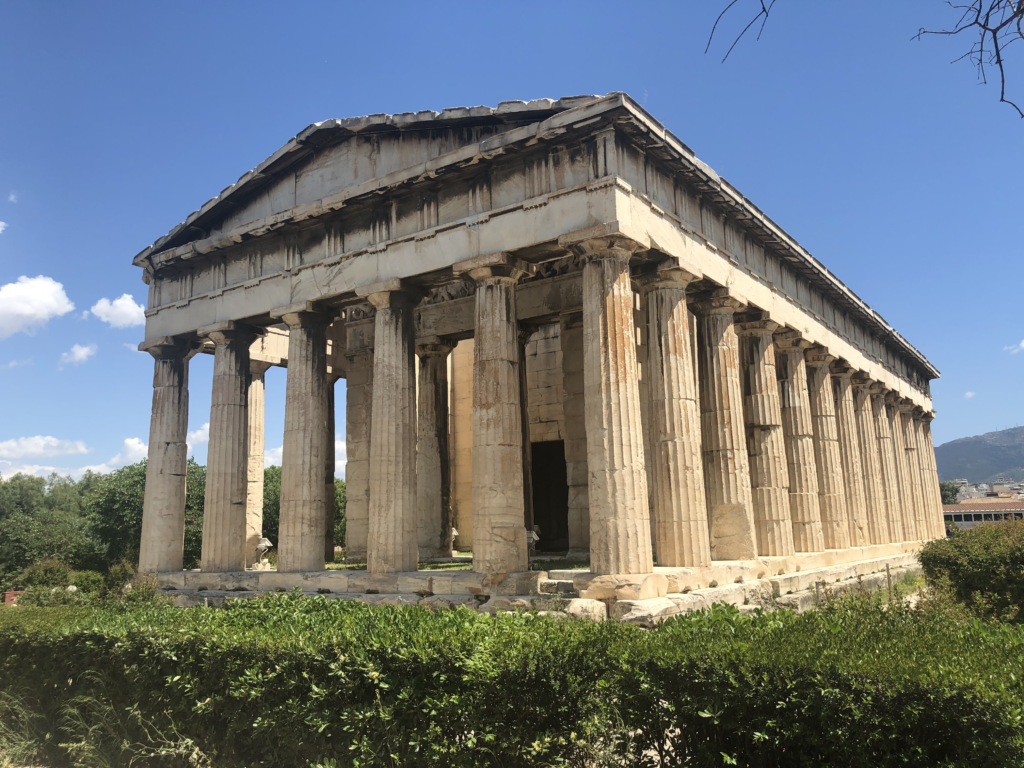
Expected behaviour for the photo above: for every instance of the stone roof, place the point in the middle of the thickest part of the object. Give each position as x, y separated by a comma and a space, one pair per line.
987, 505
551, 117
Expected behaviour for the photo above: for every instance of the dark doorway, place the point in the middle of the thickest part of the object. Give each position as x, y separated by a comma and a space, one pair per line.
550, 496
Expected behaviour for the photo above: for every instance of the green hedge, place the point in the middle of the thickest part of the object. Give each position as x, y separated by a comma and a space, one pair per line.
983, 566
281, 681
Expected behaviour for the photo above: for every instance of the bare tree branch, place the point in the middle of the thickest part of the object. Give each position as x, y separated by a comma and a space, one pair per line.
997, 24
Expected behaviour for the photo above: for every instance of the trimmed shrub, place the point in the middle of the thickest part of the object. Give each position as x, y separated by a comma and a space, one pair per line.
983, 566
286, 681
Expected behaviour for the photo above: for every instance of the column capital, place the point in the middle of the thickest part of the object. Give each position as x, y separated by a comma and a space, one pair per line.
168, 347
228, 331
259, 367
906, 405
391, 294
499, 266
927, 417
861, 382
667, 275
791, 340
719, 301
614, 246
302, 314
435, 346
891, 397
818, 356
757, 328
841, 369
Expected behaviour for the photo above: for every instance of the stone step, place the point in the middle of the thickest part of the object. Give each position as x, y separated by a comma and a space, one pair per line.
556, 586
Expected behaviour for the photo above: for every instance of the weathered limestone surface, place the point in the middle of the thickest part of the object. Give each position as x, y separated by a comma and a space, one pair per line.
254, 492
433, 486
726, 467
461, 407
907, 511
867, 442
358, 413
227, 464
163, 509
831, 495
620, 527
798, 432
525, 332
766, 443
930, 494
939, 525
679, 509
499, 532
890, 491
849, 453
574, 410
301, 545
914, 485
393, 539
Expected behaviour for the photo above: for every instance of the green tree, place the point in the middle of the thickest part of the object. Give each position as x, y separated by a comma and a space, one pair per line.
271, 502
950, 491
340, 500
21, 493
28, 537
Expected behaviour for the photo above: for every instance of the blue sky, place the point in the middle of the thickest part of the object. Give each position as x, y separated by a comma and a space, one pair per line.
891, 165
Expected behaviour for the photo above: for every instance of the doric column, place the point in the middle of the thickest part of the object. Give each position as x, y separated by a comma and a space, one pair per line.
301, 533
163, 509
358, 411
766, 444
393, 538
916, 491
499, 532
835, 527
928, 498
620, 525
726, 465
227, 463
679, 507
254, 492
891, 501
329, 462
433, 476
928, 449
849, 453
524, 422
907, 513
798, 432
574, 413
878, 524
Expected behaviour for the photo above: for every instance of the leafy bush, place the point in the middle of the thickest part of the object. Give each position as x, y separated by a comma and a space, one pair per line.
45, 573
50, 597
281, 680
90, 582
983, 566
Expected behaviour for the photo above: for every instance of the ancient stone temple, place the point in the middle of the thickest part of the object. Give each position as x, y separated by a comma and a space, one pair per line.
552, 319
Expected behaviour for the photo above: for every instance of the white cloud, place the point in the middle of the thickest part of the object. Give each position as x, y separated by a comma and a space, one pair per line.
18, 363
12, 198
969, 395
272, 456
1013, 349
340, 458
9, 468
133, 348
199, 436
78, 354
40, 447
29, 303
122, 312
3, 226
133, 450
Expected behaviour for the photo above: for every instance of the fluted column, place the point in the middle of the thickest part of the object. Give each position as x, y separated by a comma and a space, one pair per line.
161, 548
907, 513
574, 413
798, 433
433, 476
726, 464
329, 466
620, 525
227, 463
928, 499
525, 332
916, 491
392, 543
679, 508
358, 419
878, 525
928, 449
254, 492
766, 444
499, 530
891, 500
301, 532
835, 527
849, 453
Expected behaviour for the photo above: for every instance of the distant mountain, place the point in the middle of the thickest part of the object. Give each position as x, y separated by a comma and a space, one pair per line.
983, 458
